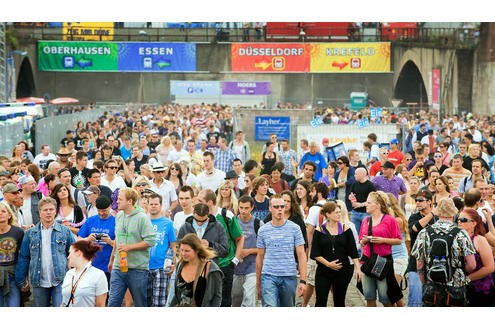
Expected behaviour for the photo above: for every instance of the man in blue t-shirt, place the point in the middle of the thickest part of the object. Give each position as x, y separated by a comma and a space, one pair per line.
164, 249
276, 267
316, 157
101, 228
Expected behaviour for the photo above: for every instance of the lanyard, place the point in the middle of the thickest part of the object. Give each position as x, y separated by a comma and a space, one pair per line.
74, 286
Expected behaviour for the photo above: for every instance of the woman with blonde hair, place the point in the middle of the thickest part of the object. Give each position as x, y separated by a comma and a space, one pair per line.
346, 221
11, 236
140, 184
163, 149
400, 253
407, 201
379, 230
226, 197
199, 279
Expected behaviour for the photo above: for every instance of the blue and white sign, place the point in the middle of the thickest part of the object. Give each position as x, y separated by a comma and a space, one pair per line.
195, 88
266, 125
363, 123
376, 112
157, 57
317, 121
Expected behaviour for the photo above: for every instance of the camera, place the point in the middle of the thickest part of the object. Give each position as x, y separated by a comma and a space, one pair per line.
98, 236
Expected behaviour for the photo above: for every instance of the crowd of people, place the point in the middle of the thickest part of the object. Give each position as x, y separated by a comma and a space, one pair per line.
169, 207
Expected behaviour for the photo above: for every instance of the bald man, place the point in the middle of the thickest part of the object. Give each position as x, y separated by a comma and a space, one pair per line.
359, 192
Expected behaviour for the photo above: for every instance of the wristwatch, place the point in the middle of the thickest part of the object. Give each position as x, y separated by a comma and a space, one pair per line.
302, 282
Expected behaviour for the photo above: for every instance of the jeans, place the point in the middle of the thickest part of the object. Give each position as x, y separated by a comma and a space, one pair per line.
135, 280
42, 296
13, 297
357, 219
415, 294
278, 291
228, 276
371, 285
244, 290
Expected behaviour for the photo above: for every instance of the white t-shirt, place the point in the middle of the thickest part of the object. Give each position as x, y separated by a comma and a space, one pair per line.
212, 182
314, 214
167, 191
27, 217
117, 182
180, 219
41, 160
93, 283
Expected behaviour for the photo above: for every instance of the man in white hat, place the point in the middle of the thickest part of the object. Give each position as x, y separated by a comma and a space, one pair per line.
164, 188
29, 213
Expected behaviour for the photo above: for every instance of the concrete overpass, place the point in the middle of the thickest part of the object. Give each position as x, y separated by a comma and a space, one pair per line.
467, 76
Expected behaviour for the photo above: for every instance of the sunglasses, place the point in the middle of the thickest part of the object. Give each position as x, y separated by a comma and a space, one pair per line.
420, 199
173, 169
112, 167
142, 184
340, 163
278, 206
437, 156
384, 153
408, 159
464, 220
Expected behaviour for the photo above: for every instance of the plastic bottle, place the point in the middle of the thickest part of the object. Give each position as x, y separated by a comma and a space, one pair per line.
169, 259
123, 261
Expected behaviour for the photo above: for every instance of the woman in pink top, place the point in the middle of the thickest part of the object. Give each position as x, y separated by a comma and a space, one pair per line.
385, 233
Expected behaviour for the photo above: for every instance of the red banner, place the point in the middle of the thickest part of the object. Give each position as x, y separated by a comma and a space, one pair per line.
269, 58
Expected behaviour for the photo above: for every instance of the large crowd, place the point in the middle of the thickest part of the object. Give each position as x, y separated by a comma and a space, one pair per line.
168, 206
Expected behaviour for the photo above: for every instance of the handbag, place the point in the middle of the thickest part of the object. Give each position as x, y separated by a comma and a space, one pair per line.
375, 266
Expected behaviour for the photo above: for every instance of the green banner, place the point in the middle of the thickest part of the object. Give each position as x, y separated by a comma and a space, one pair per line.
77, 56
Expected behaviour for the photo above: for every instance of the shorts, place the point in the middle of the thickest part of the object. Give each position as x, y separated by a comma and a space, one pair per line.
400, 266
311, 272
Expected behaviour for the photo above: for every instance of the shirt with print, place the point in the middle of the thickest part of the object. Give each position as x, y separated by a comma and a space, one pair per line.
165, 234
461, 247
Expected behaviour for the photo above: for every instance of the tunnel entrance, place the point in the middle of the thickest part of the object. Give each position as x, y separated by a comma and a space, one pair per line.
25, 81
410, 86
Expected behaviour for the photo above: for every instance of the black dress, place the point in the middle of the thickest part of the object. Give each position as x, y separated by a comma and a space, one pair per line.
267, 164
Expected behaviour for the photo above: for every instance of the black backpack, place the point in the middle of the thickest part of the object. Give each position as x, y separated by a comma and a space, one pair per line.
440, 268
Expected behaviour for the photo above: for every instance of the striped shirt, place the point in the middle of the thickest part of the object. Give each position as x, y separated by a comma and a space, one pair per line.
456, 176
279, 244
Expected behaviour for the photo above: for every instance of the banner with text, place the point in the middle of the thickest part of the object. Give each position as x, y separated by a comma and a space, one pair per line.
157, 57
266, 125
116, 56
270, 57
91, 31
436, 86
246, 88
350, 57
194, 88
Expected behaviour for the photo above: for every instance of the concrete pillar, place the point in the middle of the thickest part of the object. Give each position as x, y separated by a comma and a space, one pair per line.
484, 72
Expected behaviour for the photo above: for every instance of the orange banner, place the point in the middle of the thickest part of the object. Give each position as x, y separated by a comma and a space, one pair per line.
270, 58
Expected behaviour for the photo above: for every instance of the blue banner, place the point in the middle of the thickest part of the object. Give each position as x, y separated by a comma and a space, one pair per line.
195, 88
157, 57
266, 125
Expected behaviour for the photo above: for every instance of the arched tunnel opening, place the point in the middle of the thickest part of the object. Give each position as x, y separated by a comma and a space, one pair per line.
25, 80
410, 86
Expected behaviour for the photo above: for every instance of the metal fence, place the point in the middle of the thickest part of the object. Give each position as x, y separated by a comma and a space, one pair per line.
10, 135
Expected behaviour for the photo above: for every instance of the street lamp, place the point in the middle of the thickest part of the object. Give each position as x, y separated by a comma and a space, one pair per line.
10, 75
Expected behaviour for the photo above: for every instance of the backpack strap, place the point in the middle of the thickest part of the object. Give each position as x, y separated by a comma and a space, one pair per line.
256, 226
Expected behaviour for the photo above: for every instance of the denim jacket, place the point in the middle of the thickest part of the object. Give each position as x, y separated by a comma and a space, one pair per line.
30, 255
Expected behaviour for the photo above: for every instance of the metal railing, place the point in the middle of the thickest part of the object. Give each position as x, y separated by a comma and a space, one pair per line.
439, 37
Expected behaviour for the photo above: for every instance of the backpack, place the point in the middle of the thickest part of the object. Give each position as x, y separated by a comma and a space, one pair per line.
439, 265
321, 219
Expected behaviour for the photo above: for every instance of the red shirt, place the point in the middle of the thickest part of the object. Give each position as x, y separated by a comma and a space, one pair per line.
396, 157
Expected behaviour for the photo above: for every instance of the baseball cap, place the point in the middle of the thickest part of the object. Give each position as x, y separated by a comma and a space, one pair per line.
10, 187
25, 179
394, 141
425, 193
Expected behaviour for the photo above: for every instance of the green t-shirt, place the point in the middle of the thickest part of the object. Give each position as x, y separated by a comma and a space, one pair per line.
235, 232
130, 230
